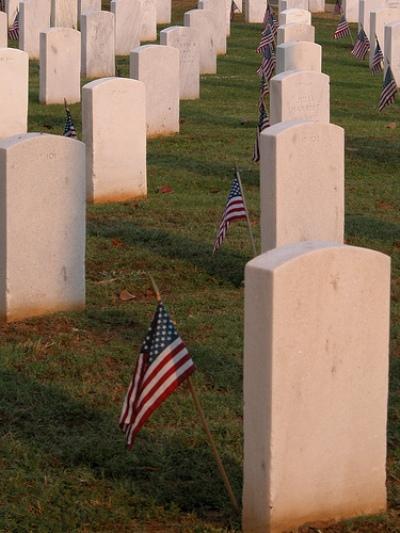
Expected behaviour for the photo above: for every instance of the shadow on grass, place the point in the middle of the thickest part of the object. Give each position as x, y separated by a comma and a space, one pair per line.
227, 264
364, 227
172, 467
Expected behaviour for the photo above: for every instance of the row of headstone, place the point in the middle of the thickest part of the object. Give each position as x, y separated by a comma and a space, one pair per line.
315, 365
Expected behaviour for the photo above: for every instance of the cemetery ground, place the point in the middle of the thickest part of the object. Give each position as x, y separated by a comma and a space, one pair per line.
63, 462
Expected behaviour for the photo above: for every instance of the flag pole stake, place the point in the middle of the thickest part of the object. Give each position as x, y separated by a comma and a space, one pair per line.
204, 422
247, 211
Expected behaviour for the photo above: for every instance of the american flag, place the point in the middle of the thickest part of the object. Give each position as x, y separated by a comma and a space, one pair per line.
338, 7
389, 90
13, 32
267, 66
361, 46
268, 14
234, 210
270, 19
267, 39
163, 364
377, 60
69, 128
263, 123
343, 29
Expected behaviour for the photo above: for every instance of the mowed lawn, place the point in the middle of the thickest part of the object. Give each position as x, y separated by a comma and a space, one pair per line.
63, 462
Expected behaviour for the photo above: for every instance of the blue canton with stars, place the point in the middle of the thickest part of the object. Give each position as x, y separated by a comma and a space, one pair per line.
235, 189
161, 334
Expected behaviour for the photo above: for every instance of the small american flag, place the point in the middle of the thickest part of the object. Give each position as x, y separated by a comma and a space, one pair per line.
69, 128
163, 364
343, 29
389, 90
361, 46
13, 31
377, 60
268, 13
267, 39
267, 66
338, 7
263, 123
234, 210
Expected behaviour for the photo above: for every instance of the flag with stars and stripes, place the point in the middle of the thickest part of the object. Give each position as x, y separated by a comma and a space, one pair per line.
343, 29
263, 123
268, 61
13, 31
69, 128
361, 46
338, 7
267, 39
389, 90
377, 60
163, 364
234, 210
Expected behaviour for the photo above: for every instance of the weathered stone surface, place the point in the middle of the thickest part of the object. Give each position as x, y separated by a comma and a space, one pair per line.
301, 183
299, 94
60, 66
98, 44
365, 8
42, 229
114, 132
201, 23
392, 49
301, 55
316, 6
163, 9
128, 25
350, 10
3, 30
157, 66
88, 6
217, 8
315, 385
34, 18
378, 20
254, 10
64, 14
184, 39
295, 32
294, 16
293, 4
14, 67
149, 21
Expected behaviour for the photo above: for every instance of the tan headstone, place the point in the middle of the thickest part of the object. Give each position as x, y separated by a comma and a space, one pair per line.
42, 230
34, 18
88, 6
378, 20
157, 66
128, 25
98, 44
350, 10
3, 30
316, 340
301, 183
392, 49
64, 14
254, 11
148, 31
114, 132
201, 23
295, 32
299, 94
217, 8
60, 66
316, 6
12, 7
300, 55
293, 4
294, 16
14, 70
184, 39
365, 8
163, 9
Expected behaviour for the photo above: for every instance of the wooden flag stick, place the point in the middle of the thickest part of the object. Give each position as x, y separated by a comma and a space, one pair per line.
247, 211
204, 422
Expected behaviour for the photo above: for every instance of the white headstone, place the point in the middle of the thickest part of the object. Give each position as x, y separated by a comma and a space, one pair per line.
377, 22
149, 21
128, 25
299, 95
295, 32
228, 14
88, 6
14, 72
60, 66
217, 8
293, 4
254, 10
392, 49
201, 23
98, 44
350, 10
34, 18
316, 6
3, 30
301, 183
316, 339
300, 55
157, 67
12, 7
294, 16
183, 38
163, 9
114, 132
365, 8
64, 14
42, 232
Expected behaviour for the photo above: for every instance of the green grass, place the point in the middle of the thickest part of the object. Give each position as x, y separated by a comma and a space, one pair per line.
63, 462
